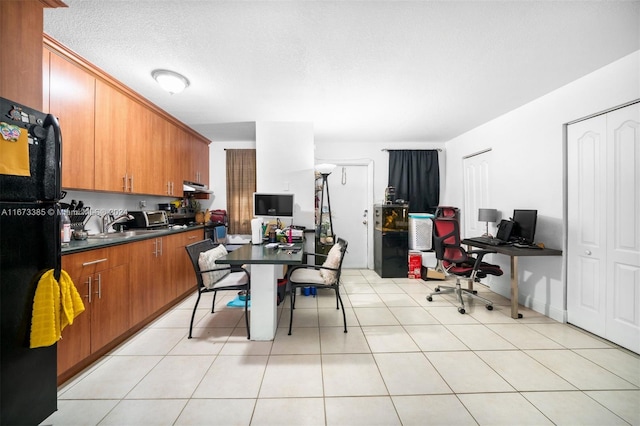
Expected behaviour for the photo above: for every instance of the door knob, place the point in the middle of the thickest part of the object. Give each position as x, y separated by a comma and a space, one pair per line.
587, 252
364, 222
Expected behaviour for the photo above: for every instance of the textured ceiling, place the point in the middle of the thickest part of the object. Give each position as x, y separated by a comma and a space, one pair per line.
362, 71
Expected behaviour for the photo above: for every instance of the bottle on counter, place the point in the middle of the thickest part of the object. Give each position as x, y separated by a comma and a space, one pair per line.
65, 228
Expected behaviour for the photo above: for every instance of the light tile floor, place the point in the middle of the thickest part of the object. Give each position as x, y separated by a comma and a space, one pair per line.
404, 361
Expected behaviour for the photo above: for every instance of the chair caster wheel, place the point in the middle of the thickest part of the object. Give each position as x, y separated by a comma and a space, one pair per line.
489, 307
437, 289
461, 310
429, 298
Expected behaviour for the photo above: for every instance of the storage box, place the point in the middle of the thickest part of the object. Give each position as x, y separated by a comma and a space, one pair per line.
415, 264
432, 274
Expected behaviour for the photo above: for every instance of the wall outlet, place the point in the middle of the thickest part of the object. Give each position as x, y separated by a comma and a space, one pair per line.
143, 204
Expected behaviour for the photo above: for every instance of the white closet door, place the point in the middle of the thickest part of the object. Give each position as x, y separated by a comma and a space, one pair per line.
586, 248
476, 193
623, 227
603, 247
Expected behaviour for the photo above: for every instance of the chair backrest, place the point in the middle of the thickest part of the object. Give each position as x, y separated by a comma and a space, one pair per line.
447, 211
194, 250
343, 251
446, 240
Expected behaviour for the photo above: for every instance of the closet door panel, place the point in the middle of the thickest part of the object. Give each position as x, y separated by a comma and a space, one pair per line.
623, 195
586, 249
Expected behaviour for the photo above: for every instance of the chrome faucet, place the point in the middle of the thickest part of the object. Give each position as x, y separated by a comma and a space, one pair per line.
106, 224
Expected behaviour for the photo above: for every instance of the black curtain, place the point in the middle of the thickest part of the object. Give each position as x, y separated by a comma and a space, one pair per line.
415, 174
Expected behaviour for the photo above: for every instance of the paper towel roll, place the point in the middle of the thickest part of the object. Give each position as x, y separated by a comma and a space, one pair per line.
256, 231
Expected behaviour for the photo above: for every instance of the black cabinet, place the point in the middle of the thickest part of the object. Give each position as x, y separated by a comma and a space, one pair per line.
391, 241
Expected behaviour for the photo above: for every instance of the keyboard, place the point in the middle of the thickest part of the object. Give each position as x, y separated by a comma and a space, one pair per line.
488, 240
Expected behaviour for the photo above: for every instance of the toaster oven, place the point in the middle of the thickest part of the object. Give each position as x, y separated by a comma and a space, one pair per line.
148, 219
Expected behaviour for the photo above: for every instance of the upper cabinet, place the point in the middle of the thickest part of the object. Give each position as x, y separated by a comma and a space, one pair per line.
113, 139
71, 99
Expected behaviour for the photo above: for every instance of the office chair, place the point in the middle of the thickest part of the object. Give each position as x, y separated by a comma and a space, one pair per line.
457, 261
225, 278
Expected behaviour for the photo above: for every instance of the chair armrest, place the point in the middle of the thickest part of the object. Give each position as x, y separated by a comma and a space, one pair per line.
305, 255
215, 270
316, 267
479, 255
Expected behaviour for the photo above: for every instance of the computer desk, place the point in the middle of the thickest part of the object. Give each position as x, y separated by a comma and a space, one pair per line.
514, 253
265, 264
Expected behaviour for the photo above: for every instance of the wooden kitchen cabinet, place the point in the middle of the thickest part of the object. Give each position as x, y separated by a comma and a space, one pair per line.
114, 139
200, 162
71, 100
101, 277
115, 117
151, 287
182, 273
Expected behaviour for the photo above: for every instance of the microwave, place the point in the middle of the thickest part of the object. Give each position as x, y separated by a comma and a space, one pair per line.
148, 219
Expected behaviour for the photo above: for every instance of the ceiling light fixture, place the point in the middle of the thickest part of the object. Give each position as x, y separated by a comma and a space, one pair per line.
170, 81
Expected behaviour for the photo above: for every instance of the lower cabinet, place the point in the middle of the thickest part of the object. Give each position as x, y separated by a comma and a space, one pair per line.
101, 277
149, 284
122, 288
182, 273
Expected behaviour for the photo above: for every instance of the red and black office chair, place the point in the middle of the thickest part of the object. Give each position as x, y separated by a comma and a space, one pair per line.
457, 261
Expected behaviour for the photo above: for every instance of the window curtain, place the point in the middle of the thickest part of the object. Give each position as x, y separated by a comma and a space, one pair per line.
241, 184
415, 174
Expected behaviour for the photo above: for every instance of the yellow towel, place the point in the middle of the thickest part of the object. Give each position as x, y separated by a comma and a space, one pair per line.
55, 306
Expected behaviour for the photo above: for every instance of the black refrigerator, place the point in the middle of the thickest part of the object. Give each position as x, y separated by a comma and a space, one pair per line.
30, 160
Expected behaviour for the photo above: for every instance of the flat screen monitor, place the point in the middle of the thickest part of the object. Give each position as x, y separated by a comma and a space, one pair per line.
525, 229
272, 205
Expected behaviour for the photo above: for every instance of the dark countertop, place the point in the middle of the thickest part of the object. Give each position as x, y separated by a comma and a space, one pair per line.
76, 246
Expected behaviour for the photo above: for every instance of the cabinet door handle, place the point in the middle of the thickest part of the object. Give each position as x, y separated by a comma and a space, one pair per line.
99, 292
124, 183
160, 239
88, 296
155, 247
131, 184
192, 237
93, 262
172, 187
168, 188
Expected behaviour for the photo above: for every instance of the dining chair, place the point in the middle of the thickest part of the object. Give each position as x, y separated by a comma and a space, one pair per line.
211, 277
322, 276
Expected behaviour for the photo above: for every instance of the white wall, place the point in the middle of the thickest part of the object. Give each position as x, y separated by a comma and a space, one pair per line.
328, 152
284, 164
528, 171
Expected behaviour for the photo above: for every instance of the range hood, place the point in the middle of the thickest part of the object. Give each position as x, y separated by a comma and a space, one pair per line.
196, 187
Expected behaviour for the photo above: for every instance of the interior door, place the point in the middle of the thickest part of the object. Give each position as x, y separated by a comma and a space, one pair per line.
586, 251
623, 227
350, 210
476, 192
603, 247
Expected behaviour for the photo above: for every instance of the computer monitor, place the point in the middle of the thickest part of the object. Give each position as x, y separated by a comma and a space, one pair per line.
272, 205
525, 229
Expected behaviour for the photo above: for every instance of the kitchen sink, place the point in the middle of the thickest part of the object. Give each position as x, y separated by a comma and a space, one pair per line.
125, 234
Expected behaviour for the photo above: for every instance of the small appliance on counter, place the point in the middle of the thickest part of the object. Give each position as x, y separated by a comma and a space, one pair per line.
148, 219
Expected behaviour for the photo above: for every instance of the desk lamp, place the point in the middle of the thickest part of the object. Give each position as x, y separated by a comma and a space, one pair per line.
487, 215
